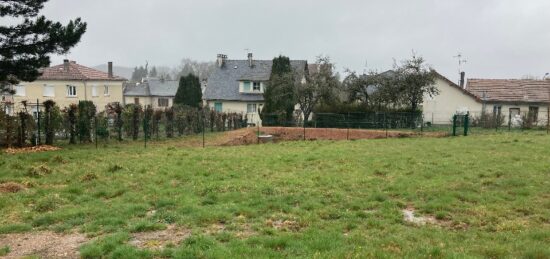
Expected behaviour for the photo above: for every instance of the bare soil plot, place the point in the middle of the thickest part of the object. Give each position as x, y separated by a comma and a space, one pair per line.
45, 244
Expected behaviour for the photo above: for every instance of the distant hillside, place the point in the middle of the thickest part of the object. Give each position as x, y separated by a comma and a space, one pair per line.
125, 72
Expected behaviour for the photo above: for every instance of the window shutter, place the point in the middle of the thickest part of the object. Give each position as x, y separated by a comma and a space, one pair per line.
94, 91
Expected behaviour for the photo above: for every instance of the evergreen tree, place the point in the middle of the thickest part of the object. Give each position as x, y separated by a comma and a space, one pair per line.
153, 72
279, 94
25, 47
189, 91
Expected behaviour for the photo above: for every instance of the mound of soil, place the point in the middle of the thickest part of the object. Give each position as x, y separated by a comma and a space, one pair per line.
249, 135
42, 148
11, 187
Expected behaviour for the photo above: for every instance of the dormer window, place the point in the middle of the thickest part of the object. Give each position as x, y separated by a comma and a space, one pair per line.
256, 86
251, 87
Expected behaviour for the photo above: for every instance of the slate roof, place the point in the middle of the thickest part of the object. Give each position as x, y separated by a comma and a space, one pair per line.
74, 71
152, 87
510, 90
223, 83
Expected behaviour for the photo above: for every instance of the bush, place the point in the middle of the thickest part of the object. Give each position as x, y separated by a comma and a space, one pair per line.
86, 113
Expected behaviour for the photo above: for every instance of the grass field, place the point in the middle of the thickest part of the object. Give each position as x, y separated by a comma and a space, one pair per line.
489, 196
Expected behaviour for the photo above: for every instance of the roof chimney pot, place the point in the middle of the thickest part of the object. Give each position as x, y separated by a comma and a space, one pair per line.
110, 69
221, 60
66, 64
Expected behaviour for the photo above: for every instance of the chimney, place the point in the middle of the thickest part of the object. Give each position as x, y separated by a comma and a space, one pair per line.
66, 64
221, 60
462, 77
110, 69
250, 60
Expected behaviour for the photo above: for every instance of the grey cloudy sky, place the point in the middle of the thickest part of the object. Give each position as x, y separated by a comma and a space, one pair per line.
499, 38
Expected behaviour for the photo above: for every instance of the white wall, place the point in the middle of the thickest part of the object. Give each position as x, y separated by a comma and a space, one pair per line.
441, 108
239, 107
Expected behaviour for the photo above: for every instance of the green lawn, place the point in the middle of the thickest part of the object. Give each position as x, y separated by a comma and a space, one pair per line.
490, 194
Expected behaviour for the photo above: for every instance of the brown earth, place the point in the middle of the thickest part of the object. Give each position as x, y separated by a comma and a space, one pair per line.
157, 240
42, 148
248, 135
11, 187
45, 244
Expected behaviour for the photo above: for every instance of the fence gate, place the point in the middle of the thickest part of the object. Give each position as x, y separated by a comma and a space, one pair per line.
461, 121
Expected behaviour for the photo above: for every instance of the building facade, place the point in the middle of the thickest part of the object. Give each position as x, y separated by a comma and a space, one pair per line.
154, 92
238, 85
66, 84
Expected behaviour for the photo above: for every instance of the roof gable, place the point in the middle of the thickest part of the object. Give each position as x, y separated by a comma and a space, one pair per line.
74, 71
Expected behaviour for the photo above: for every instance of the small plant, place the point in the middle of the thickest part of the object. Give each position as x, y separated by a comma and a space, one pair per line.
89, 177
115, 168
5, 250
39, 171
47, 203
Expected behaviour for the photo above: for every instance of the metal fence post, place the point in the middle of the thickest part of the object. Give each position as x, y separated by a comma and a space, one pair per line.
386, 124
38, 122
203, 128
95, 125
454, 124
258, 134
466, 123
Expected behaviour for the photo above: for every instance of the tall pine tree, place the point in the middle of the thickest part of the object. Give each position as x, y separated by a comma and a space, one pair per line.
25, 47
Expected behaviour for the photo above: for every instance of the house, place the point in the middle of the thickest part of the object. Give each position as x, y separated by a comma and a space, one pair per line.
451, 99
238, 85
513, 99
158, 93
67, 84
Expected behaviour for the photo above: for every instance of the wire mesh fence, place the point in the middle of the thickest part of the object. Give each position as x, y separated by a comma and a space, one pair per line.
79, 124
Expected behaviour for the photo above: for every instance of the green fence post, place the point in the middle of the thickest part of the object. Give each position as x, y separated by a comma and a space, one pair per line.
95, 125
454, 124
466, 123
38, 117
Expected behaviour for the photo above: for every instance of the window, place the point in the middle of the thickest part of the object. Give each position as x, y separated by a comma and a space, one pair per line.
256, 86
136, 100
497, 109
163, 102
251, 108
71, 91
246, 86
49, 91
94, 90
106, 90
20, 90
218, 107
9, 109
533, 113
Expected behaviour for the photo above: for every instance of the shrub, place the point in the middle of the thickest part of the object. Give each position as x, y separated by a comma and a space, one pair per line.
49, 126
71, 116
86, 113
169, 114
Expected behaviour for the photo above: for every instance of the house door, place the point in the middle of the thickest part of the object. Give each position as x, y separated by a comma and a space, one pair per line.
515, 117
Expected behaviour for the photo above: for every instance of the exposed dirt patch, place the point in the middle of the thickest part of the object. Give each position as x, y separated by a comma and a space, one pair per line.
157, 240
11, 187
249, 135
215, 229
285, 133
45, 244
410, 217
284, 225
36, 149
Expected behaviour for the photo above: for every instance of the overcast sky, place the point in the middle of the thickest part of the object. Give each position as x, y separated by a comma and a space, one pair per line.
499, 38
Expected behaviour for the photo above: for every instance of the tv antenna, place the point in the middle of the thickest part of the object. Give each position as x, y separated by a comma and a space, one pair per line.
461, 62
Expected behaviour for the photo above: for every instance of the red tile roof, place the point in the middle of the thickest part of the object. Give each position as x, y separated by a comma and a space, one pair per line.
73, 71
510, 90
